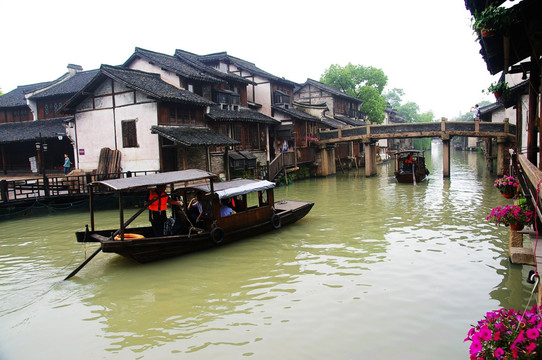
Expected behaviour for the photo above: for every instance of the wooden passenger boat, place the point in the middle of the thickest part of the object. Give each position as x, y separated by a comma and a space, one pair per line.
256, 212
410, 166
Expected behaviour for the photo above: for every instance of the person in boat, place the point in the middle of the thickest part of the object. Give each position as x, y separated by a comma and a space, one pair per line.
225, 209
158, 208
408, 162
195, 210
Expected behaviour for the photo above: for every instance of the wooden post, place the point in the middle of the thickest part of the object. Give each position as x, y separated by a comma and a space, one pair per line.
4, 166
500, 156
91, 207
534, 85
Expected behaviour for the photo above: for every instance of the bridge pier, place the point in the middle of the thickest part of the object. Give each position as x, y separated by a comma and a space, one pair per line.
446, 156
370, 158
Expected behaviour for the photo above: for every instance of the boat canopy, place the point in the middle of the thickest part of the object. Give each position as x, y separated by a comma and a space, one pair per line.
155, 179
236, 187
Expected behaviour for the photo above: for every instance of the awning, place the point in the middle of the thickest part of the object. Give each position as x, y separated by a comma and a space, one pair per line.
193, 136
228, 189
155, 179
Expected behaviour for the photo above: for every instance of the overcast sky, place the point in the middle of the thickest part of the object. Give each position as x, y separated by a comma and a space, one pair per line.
425, 47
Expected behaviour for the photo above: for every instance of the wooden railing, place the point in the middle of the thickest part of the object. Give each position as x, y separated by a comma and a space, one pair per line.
282, 161
530, 178
54, 186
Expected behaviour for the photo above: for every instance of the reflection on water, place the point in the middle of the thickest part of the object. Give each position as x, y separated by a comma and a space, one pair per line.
377, 269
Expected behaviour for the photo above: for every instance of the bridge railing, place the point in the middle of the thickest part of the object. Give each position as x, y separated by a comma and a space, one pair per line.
425, 129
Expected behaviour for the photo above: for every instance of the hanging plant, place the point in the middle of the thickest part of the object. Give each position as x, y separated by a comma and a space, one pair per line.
494, 19
499, 89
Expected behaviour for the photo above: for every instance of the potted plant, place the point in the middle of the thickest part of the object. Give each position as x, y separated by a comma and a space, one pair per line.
515, 216
499, 89
507, 334
507, 185
494, 18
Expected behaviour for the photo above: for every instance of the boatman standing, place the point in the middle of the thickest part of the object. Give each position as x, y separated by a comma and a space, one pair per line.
158, 209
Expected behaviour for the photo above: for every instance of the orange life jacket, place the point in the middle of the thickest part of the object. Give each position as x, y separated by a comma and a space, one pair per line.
158, 205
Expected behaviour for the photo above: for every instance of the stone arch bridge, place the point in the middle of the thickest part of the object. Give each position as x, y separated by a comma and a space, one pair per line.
503, 132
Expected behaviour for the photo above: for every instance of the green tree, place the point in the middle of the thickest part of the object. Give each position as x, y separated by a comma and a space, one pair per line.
364, 83
373, 104
409, 111
394, 97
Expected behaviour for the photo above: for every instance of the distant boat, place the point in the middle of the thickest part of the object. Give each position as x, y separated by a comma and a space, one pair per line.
410, 166
256, 212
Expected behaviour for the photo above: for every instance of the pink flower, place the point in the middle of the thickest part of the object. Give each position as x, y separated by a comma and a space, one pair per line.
498, 353
475, 347
485, 334
532, 334
531, 347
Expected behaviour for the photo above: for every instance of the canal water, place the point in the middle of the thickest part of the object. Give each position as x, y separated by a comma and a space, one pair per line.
377, 270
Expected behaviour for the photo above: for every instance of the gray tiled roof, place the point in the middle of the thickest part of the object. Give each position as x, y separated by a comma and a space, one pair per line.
30, 130
147, 83
332, 90
68, 87
243, 115
193, 136
194, 60
297, 114
16, 97
244, 65
174, 64
350, 121
332, 123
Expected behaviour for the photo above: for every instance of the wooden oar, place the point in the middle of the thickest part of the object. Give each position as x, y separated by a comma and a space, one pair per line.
145, 206
414, 173
84, 263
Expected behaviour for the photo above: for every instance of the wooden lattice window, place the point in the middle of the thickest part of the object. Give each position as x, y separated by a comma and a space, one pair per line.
129, 133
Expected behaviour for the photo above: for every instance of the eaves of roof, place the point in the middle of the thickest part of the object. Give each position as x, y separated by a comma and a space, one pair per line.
194, 60
16, 97
147, 83
173, 64
244, 65
31, 130
488, 109
332, 90
193, 136
332, 123
296, 114
69, 86
349, 121
243, 115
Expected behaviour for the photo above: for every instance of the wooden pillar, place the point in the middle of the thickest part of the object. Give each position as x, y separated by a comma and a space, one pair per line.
534, 85
370, 159
500, 156
4, 166
446, 155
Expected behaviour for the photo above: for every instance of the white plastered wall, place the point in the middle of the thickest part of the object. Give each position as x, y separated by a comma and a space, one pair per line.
102, 127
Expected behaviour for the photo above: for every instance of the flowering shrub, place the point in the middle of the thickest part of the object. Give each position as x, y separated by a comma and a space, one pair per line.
507, 334
507, 184
515, 214
313, 139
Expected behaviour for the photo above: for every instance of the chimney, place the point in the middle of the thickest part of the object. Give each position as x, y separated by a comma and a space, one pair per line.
74, 69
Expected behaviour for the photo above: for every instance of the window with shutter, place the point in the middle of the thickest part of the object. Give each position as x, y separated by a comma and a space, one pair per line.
129, 134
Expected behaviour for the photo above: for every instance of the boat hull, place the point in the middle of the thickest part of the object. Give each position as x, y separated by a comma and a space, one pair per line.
150, 249
407, 178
